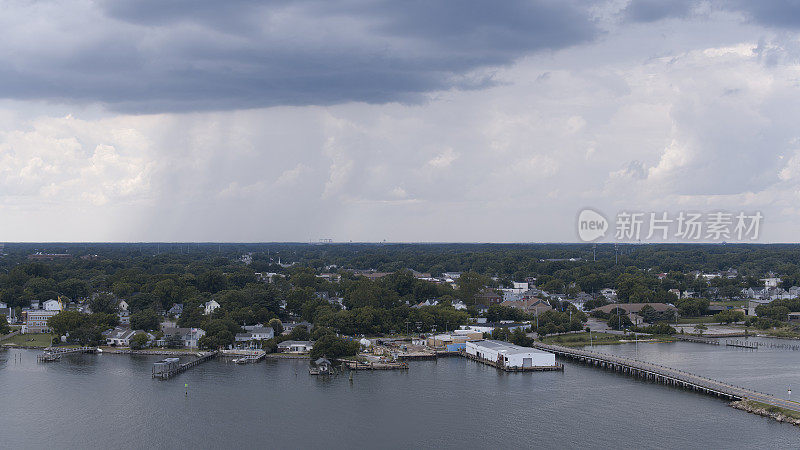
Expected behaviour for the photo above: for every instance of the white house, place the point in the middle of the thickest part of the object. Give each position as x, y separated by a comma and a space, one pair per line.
210, 306
260, 332
510, 355
189, 336
122, 305
121, 337
295, 346
771, 282
52, 305
459, 305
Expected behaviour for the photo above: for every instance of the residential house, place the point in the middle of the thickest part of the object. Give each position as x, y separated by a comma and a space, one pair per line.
124, 317
121, 336
295, 346
289, 326
253, 335
176, 310
533, 306
52, 305
189, 336
122, 305
771, 282
459, 305
610, 294
488, 297
210, 306
794, 317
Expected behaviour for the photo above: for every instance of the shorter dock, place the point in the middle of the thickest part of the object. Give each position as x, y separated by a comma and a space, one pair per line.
170, 367
513, 368
55, 353
251, 358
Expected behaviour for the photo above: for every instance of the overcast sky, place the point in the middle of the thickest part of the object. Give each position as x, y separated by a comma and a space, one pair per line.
421, 120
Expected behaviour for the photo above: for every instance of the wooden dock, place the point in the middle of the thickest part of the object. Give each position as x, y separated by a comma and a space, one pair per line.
665, 375
489, 362
388, 365
167, 374
696, 339
742, 344
251, 358
55, 353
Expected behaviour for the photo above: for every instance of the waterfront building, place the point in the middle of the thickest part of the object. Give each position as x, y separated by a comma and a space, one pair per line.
189, 336
253, 335
295, 346
509, 355
121, 336
36, 321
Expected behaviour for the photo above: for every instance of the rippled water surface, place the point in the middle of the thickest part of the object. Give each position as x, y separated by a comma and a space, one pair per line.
111, 401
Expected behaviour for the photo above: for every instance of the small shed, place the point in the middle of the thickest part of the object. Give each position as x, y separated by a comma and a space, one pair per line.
323, 364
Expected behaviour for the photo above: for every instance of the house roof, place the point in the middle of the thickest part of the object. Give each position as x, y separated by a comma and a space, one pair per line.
505, 347
291, 343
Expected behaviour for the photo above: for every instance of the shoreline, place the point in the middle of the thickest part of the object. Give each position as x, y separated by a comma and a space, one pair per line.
771, 412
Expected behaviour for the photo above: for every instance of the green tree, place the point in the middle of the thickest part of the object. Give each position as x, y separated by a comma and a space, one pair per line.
4, 328
103, 303
276, 326
331, 346
139, 341
146, 319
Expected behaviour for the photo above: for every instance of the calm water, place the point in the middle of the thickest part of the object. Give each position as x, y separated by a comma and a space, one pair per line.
90, 401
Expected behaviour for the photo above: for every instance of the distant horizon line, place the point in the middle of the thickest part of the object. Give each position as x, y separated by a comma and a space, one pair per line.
393, 243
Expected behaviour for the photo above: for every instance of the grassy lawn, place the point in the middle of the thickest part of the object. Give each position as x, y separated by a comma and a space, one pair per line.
775, 409
703, 319
778, 332
30, 340
732, 303
578, 339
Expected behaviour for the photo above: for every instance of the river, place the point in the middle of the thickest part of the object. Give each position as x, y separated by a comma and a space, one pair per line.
104, 400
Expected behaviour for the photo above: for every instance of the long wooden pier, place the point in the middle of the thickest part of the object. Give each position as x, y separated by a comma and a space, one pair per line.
666, 375
167, 374
696, 339
742, 344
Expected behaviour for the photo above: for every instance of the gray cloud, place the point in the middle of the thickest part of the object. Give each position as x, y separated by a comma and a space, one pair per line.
770, 13
653, 10
153, 56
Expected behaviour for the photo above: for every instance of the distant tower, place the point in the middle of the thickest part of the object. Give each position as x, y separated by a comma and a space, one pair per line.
594, 252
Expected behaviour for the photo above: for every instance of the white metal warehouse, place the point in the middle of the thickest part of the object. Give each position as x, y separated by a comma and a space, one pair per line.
510, 355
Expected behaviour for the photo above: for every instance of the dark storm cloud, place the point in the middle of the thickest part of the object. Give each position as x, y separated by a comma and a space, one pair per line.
152, 56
